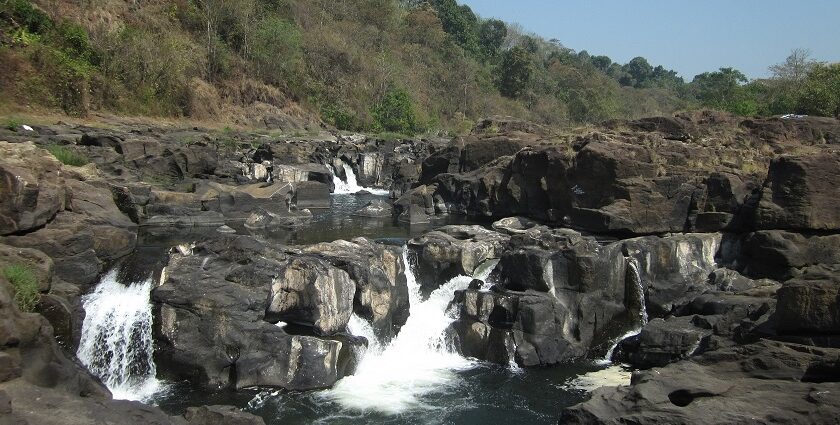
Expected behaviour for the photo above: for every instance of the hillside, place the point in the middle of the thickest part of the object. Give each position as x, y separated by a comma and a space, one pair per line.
403, 66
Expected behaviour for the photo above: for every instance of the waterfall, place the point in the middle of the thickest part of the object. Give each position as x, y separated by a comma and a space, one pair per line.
116, 343
351, 185
393, 379
636, 277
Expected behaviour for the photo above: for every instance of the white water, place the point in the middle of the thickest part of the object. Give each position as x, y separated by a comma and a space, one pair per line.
393, 379
643, 316
610, 377
116, 343
351, 185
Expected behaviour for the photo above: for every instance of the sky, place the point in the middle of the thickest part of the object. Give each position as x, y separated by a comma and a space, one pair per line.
690, 37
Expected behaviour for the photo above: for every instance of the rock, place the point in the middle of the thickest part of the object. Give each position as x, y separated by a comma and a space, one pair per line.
220, 415
661, 342
381, 290
210, 322
514, 225
810, 304
778, 254
453, 251
36, 261
311, 293
800, 193
312, 195
722, 387
376, 209
193, 219
266, 220
226, 230
102, 140
32, 187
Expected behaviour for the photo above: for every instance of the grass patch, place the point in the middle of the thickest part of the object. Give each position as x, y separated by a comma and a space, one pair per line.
25, 284
68, 156
389, 135
12, 124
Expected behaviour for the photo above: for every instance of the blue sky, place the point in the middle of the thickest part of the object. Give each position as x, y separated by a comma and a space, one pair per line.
688, 36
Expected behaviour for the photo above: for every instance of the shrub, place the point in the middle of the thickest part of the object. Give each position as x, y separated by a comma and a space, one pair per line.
25, 284
68, 156
395, 113
12, 124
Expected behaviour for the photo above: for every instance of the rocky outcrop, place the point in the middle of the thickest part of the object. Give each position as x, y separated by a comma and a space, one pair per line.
211, 327
378, 273
792, 383
451, 251
31, 185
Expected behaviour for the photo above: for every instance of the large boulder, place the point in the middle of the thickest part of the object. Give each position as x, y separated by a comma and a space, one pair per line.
210, 321
378, 272
800, 193
310, 292
31, 186
451, 251
810, 304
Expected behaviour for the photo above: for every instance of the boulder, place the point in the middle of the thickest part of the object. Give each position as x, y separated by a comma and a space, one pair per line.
210, 320
779, 254
810, 304
310, 292
376, 209
451, 251
312, 194
378, 272
661, 342
800, 193
31, 185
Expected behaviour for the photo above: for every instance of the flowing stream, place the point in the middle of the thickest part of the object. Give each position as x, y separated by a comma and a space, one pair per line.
351, 185
636, 276
116, 342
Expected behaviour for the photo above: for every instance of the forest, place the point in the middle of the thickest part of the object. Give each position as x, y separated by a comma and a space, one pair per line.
406, 67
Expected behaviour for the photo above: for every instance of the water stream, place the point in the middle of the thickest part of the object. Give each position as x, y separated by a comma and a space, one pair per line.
116, 341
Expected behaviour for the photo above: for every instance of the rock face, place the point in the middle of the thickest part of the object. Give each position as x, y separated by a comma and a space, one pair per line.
31, 186
211, 328
378, 273
451, 251
792, 384
799, 194
311, 293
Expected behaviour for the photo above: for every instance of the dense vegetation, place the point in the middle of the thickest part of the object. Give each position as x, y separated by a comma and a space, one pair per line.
377, 65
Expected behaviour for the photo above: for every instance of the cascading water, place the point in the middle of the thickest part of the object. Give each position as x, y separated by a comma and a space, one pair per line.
351, 185
636, 277
116, 343
393, 379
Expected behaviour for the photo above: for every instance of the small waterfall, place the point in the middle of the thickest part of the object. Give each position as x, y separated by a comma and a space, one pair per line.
116, 343
636, 277
640, 289
351, 185
392, 379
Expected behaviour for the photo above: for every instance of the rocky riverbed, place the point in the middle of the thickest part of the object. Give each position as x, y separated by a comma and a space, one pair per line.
699, 250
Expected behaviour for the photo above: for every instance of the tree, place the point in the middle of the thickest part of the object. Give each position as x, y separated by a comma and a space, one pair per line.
639, 70
395, 113
601, 62
460, 22
515, 72
788, 82
720, 89
821, 91
491, 35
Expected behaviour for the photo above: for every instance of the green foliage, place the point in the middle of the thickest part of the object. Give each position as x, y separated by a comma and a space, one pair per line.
821, 91
720, 89
33, 19
12, 124
25, 285
276, 51
491, 36
460, 22
339, 117
68, 156
394, 113
515, 72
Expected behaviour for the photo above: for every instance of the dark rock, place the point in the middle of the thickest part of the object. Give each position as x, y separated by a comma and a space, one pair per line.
381, 291
722, 387
800, 194
311, 293
220, 415
376, 209
810, 304
777, 254
32, 187
661, 342
312, 195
